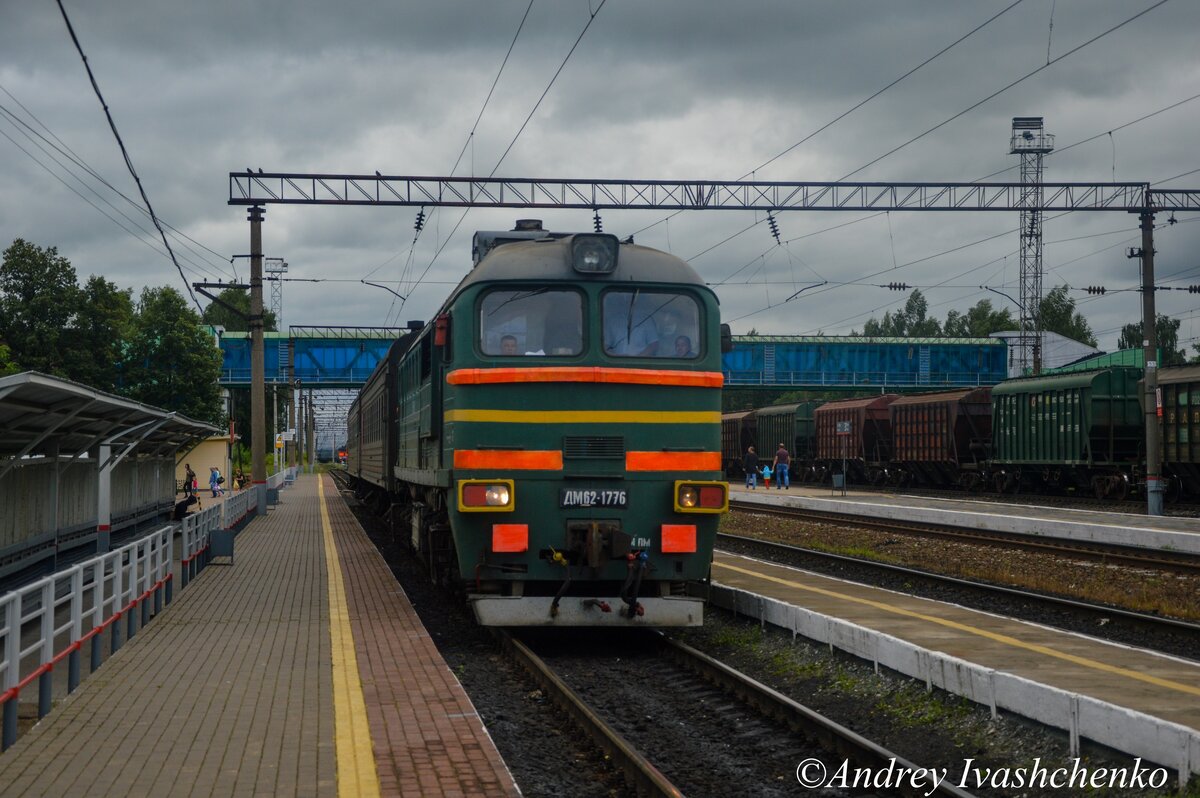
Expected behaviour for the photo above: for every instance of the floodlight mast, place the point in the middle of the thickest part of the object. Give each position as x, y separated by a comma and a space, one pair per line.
1032, 143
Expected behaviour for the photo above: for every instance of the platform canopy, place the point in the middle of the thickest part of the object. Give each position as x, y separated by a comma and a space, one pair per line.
39, 413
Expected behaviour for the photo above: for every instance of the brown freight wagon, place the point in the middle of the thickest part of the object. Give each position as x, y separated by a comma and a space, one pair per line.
1180, 425
942, 438
866, 445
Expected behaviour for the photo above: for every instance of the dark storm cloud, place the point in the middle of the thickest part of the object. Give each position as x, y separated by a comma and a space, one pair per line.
655, 90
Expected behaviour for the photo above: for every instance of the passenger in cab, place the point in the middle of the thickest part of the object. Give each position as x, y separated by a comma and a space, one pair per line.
683, 347
508, 345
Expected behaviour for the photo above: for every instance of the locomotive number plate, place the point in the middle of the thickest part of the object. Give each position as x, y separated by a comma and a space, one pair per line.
590, 497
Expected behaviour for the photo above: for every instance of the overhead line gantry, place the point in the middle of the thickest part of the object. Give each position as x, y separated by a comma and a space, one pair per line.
257, 189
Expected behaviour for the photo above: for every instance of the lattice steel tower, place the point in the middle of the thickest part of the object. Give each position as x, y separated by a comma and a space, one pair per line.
276, 268
1031, 143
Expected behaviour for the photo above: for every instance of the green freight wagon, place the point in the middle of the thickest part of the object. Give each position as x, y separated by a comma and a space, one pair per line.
793, 426
1069, 432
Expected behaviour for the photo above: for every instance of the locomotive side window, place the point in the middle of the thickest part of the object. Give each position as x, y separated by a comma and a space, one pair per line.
651, 324
532, 321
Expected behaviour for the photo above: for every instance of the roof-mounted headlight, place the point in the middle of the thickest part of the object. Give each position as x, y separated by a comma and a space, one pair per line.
594, 253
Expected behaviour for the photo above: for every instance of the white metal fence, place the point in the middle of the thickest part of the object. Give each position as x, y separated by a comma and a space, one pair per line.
50, 620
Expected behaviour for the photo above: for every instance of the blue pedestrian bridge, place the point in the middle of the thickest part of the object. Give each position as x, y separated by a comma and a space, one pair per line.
343, 357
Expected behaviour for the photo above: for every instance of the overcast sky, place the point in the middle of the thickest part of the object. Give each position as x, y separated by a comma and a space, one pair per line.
655, 89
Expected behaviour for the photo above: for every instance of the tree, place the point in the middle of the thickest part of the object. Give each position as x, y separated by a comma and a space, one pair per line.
7, 366
979, 322
1166, 330
912, 321
218, 315
38, 302
1059, 315
171, 362
103, 326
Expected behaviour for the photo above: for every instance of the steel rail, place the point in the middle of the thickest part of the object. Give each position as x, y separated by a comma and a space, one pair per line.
831, 736
1045, 598
1107, 553
646, 779
642, 776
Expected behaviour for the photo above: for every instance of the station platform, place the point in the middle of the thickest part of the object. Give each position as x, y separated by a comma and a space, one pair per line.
299, 669
1127, 529
1141, 702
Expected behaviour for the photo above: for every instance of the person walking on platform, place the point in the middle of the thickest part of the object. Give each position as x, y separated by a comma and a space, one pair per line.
750, 464
189, 480
782, 459
214, 481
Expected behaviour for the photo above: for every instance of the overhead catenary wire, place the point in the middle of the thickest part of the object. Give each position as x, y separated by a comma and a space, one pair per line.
466, 143
511, 144
125, 154
1005, 88
863, 102
33, 137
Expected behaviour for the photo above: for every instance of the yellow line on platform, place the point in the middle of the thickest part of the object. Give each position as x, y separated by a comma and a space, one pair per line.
356, 773
962, 627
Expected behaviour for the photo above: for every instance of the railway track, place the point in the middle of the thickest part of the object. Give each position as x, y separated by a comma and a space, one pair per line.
1156, 632
676, 721
1106, 553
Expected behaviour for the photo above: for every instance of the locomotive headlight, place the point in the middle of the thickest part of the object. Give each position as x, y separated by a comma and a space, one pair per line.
594, 253
486, 495
695, 496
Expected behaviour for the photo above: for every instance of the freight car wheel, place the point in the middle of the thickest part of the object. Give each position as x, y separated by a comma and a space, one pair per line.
1173, 490
1120, 491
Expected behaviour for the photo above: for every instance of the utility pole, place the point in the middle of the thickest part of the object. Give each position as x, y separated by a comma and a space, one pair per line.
276, 450
312, 427
1152, 403
258, 428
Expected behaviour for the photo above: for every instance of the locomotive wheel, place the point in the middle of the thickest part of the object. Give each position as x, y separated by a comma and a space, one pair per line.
1001, 482
1099, 488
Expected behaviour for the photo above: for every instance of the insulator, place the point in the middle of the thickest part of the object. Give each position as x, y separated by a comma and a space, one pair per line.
774, 225
599, 225
897, 286
1096, 289
1194, 289
420, 223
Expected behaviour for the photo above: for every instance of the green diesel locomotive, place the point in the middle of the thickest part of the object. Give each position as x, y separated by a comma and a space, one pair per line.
551, 441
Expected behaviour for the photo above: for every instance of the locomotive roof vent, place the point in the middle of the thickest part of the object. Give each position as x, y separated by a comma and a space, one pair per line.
416, 325
526, 230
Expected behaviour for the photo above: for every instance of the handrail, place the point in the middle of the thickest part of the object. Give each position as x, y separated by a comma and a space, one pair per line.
99, 591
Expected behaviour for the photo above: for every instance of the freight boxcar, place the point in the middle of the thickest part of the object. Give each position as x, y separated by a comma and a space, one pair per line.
857, 432
737, 435
1069, 431
941, 439
1180, 426
793, 426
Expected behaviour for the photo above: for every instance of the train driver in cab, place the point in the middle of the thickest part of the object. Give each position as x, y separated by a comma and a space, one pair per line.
629, 329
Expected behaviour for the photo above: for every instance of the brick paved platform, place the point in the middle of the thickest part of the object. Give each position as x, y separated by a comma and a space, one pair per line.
234, 688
